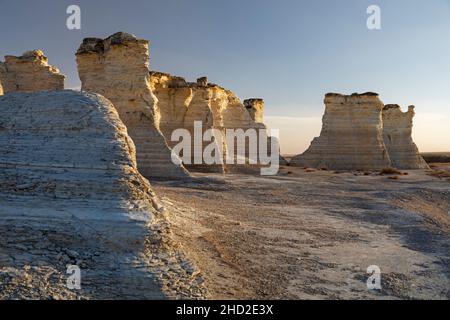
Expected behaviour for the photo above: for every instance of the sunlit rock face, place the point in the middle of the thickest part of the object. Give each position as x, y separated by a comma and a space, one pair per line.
28, 73
68, 145
351, 136
397, 134
117, 68
256, 109
181, 103
360, 133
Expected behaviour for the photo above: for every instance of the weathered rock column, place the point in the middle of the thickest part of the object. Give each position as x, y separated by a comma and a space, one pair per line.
255, 107
351, 136
397, 134
117, 68
28, 73
182, 103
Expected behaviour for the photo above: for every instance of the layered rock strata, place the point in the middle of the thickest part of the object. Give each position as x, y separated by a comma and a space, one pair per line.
397, 134
29, 72
351, 136
256, 109
181, 103
71, 194
117, 68
360, 133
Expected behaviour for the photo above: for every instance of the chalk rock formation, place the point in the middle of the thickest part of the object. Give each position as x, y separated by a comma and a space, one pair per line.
351, 136
117, 68
67, 145
29, 72
71, 194
256, 109
397, 133
181, 103
68, 168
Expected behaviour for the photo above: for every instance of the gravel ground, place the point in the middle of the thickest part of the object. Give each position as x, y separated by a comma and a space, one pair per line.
308, 234
304, 234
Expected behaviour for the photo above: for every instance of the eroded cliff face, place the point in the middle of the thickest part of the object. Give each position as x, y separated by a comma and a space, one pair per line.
71, 194
360, 133
69, 174
117, 68
73, 138
28, 73
256, 109
397, 134
181, 103
351, 136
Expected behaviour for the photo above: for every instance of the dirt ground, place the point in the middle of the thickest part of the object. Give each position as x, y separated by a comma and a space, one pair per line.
308, 234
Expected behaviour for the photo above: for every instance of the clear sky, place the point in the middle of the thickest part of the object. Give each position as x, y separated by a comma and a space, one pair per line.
289, 52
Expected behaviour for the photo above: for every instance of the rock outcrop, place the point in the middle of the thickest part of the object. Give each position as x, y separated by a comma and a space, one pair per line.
117, 68
256, 109
71, 194
397, 134
181, 103
351, 136
29, 72
360, 133
71, 147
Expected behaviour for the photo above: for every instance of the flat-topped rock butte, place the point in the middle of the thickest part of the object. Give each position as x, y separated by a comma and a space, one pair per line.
360, 133
117, 68
29, 72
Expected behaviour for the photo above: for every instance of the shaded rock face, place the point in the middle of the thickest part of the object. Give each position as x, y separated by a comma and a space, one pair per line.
360, 133
181, 103
397, 134
70, 145
351, 136
70, 190
29, 72
117, 68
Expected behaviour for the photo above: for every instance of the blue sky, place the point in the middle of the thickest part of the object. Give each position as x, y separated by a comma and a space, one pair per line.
289, 52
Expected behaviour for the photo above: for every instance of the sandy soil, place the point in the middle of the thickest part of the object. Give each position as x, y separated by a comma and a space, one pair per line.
312, 234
